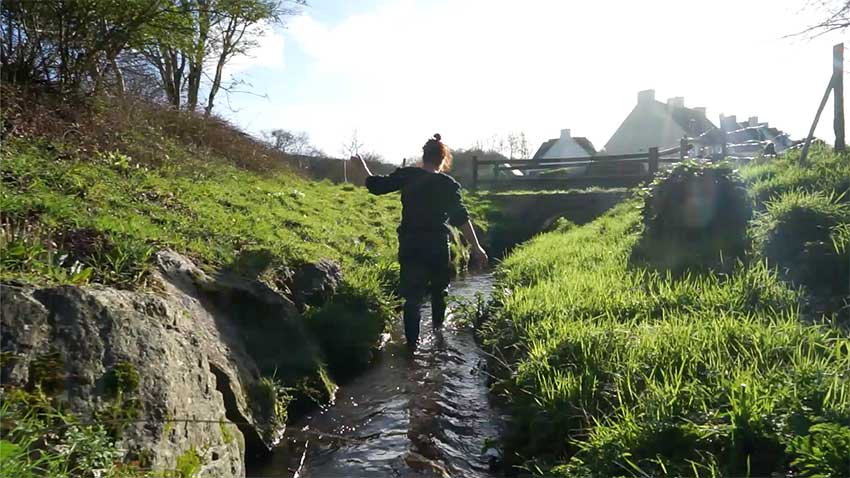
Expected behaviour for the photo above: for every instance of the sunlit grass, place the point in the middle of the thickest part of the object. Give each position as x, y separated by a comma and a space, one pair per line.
612, 370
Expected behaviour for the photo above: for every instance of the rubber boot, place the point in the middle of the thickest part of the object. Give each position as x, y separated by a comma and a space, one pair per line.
438, 308
411, 322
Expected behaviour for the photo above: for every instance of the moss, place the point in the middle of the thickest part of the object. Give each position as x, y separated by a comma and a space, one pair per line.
169, 426
47, 372
271, 399
226, 433
123, 378
7, 358
188, 464
123, 406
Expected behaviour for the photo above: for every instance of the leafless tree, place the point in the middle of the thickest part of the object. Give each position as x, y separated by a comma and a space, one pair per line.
835, 15
352, 145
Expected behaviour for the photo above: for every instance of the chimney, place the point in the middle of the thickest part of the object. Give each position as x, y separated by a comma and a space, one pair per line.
728, 123
676, 102
700, 110
753, 121
565, 133
646, 96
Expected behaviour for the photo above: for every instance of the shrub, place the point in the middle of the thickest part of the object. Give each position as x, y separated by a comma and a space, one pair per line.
802, 233
694, 216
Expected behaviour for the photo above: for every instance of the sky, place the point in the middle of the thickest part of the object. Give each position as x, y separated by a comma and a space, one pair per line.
397, 72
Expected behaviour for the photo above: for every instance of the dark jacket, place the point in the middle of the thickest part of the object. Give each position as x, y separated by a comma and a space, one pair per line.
429, 200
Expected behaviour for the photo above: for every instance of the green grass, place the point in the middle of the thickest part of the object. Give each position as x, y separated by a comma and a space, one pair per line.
74, 216
827, 173
40, 440
209, 210
610, 369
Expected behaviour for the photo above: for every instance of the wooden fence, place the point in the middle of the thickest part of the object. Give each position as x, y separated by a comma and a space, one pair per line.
528, 171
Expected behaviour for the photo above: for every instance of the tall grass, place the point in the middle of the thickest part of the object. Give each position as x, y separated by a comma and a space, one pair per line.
613, 370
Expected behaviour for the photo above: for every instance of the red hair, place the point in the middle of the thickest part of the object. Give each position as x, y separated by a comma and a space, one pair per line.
437, 154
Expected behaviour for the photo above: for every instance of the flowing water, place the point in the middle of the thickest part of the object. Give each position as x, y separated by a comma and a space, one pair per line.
420, 414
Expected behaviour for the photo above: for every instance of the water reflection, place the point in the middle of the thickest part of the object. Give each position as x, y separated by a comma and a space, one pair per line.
420, 414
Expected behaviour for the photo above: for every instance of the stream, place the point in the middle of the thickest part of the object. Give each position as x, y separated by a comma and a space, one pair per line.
425, 414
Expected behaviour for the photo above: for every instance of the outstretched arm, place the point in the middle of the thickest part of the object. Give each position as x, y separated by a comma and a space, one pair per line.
375, 184
360, 164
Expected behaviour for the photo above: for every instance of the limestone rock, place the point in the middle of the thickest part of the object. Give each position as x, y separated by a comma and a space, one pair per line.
186, 341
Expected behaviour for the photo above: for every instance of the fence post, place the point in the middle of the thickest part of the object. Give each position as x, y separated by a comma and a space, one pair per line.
805, 152
653, 160
838, 94
475, 173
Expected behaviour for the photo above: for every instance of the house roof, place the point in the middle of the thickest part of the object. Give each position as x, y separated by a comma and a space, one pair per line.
585, 145
543, 148
580, 140
690, 120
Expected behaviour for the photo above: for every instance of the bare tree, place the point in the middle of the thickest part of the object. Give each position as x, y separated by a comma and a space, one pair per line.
352, 145
835, 16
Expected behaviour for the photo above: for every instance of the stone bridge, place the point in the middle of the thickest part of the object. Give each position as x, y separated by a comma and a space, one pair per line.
515, 217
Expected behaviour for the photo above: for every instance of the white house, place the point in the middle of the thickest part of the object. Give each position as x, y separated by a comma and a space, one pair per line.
565, 146
653, 123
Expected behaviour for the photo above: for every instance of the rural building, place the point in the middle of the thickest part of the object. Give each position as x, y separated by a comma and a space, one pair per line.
653, 123
565, 146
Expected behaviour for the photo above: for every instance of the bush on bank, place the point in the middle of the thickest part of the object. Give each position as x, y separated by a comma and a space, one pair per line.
694, 216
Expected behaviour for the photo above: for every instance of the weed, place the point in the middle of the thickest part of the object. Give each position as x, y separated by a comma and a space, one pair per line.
40, 440
188, 464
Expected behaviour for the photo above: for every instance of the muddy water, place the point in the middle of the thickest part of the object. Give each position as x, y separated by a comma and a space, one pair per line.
424, 414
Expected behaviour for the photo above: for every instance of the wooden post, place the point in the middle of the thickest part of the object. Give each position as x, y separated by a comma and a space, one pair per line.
805, 151
653, 160
403, 162
475, 173
838, 95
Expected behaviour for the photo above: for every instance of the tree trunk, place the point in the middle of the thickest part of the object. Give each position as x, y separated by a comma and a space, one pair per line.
121, 87
216, 84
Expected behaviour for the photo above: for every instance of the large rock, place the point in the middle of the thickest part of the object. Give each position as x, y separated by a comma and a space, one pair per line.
315, 284
184, 340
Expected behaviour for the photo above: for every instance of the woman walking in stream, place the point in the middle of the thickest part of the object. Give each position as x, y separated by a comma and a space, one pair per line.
430, 200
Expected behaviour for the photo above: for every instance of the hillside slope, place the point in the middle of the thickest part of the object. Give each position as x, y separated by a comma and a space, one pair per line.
138, 242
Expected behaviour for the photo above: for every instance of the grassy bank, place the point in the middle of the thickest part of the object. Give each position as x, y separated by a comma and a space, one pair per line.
611, 369
89, 195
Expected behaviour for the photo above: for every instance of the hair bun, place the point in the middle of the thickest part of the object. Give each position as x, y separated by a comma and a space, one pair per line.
438, 137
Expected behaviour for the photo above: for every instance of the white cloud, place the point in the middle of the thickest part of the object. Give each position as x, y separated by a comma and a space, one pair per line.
471, 69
